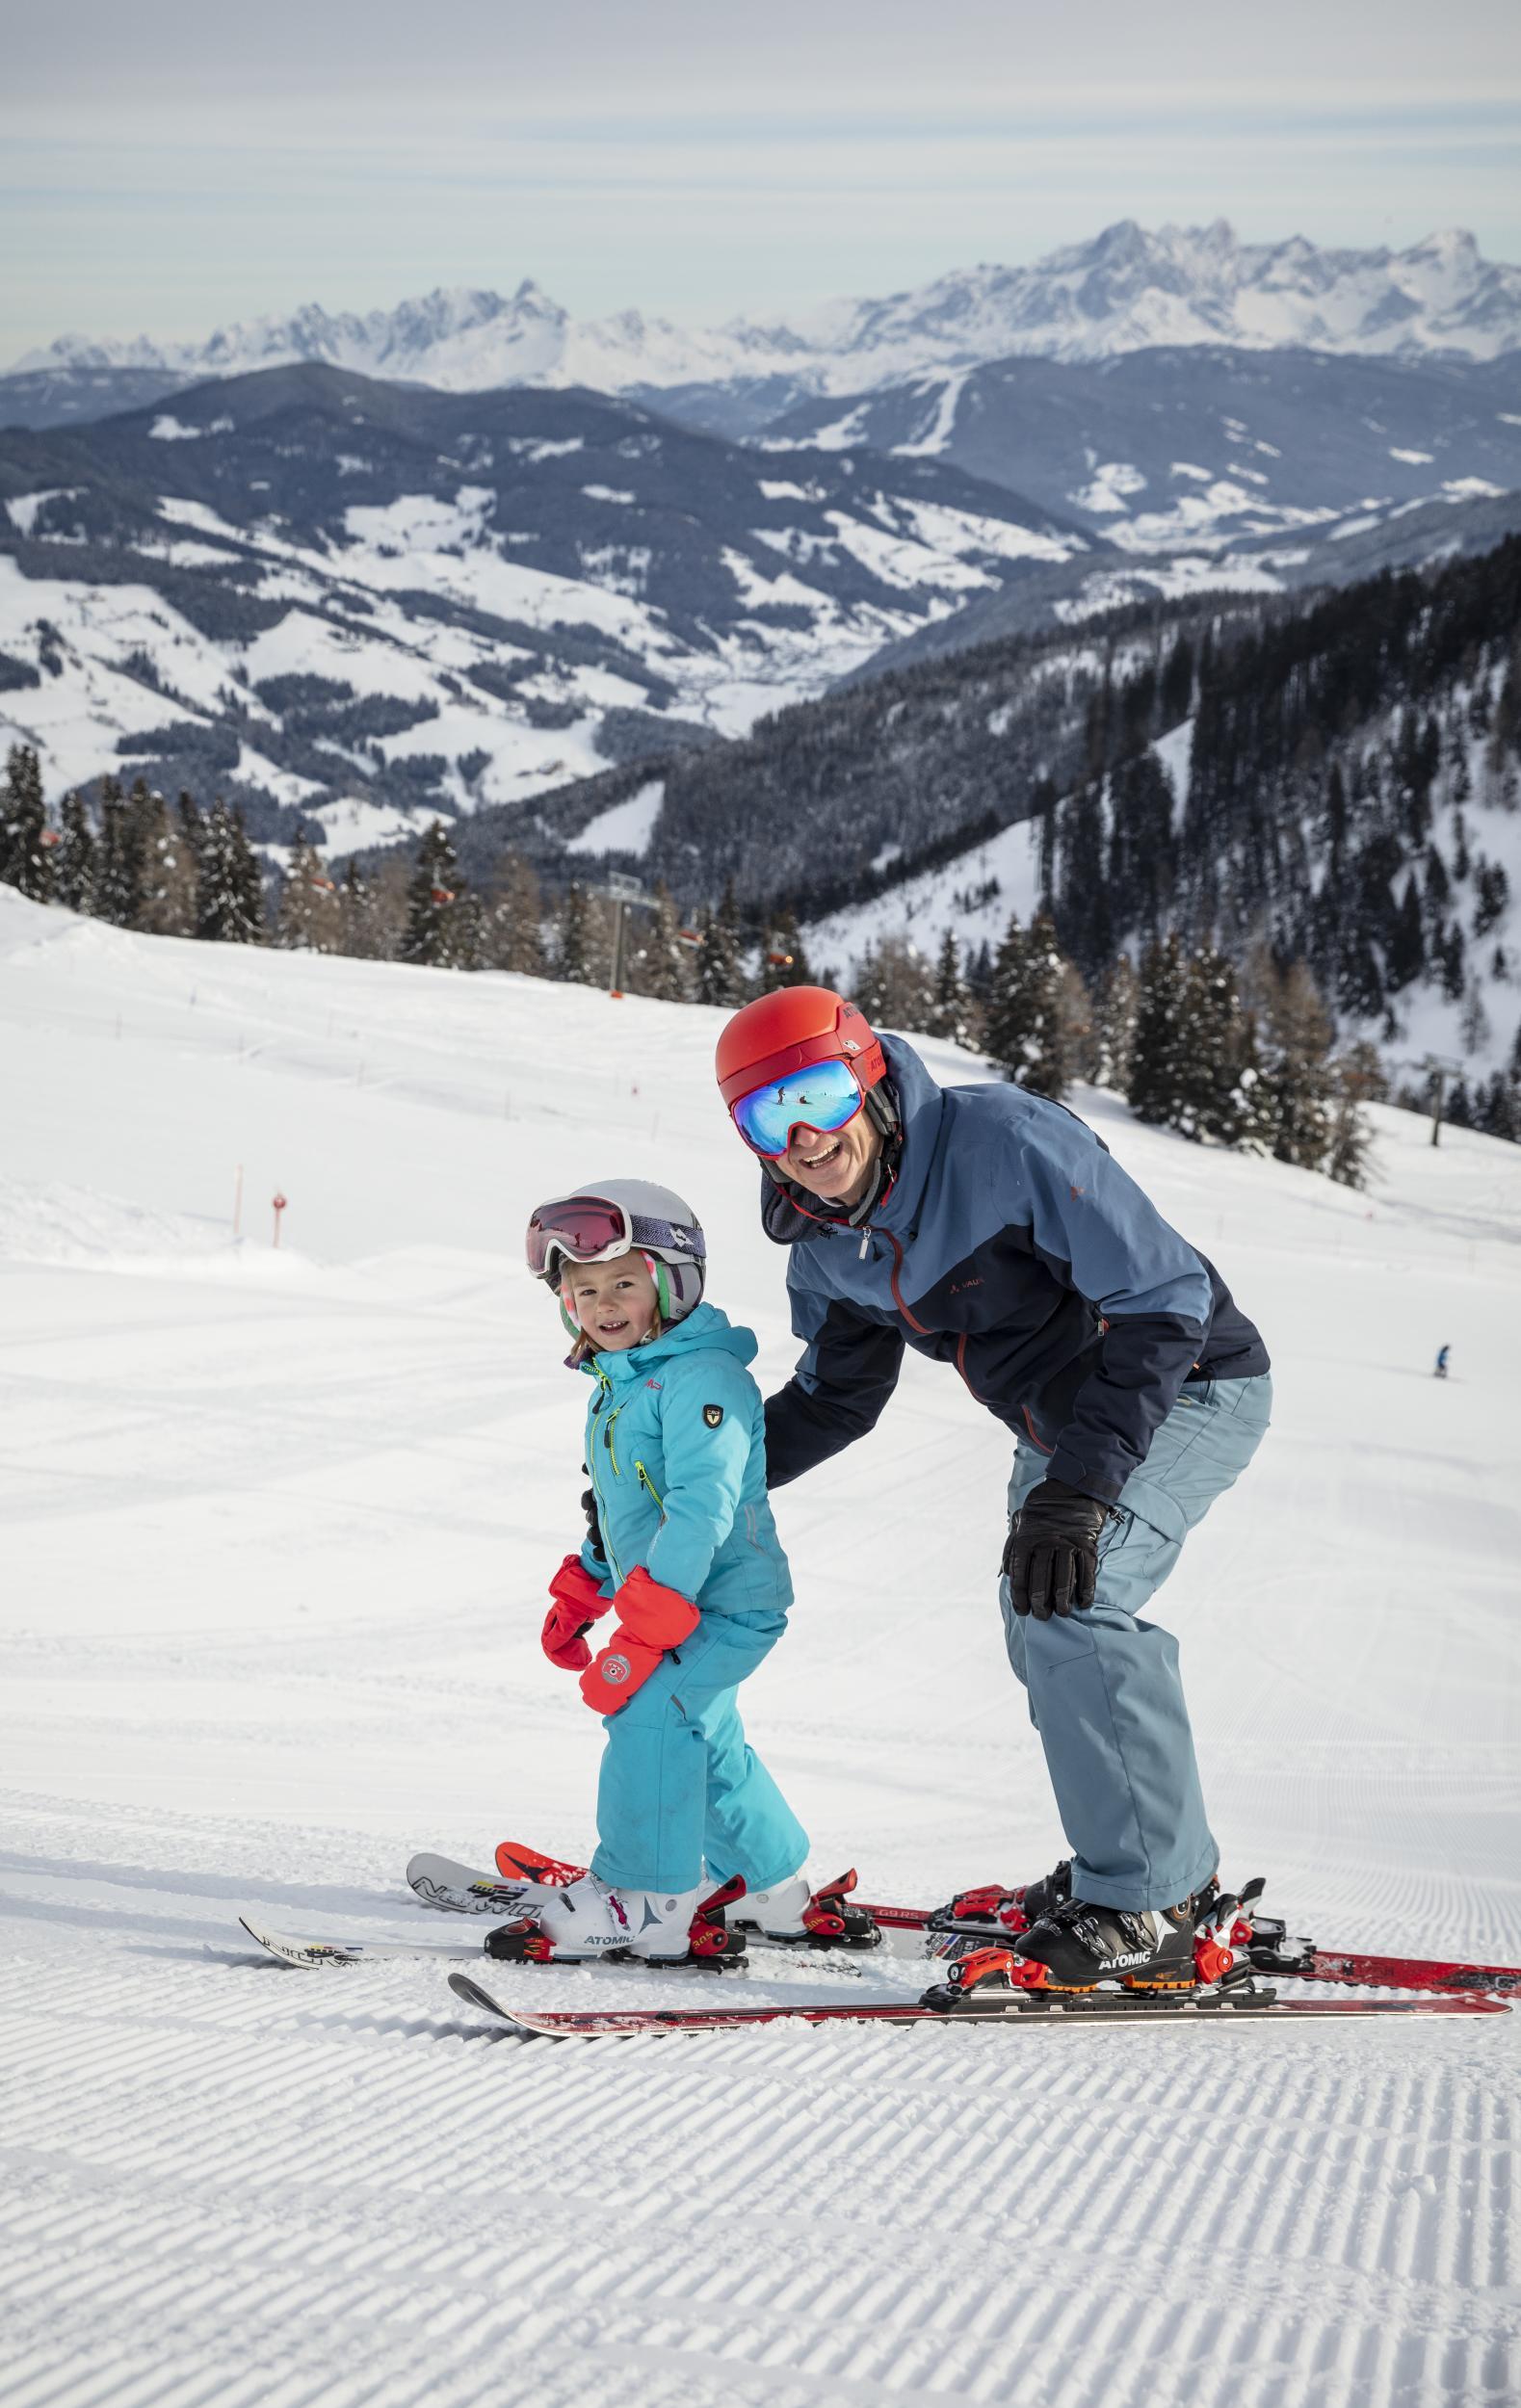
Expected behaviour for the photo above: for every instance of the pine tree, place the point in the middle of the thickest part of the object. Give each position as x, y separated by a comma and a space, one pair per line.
662, 965
74, 860
892, 985
514, 935
170, 876
783, 961
231, 896
1083, 911
1025, 1030
309, 916
573, 939
25, 858
720, 972
1114, 1025
1407, 957
467, 950
118, 871
357, 933
1157, 1092
952, 1012
1218, 1072
1296, 1080
431, 937
1358, 1080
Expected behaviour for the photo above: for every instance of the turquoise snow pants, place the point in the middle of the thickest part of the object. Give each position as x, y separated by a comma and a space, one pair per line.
680, 1786
1104, 1688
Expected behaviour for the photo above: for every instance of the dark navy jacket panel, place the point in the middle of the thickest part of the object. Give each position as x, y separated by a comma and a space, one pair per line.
1012, 1246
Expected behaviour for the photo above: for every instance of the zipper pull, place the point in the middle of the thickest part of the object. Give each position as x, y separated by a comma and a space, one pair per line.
865, 1240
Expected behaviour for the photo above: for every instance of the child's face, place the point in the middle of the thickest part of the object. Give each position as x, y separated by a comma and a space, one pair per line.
614, 1302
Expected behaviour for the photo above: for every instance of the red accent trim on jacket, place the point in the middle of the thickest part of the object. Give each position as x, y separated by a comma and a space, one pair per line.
961, 1365
898, 1293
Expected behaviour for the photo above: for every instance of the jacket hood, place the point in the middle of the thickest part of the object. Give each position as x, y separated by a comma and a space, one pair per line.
705, 1326
791, 1216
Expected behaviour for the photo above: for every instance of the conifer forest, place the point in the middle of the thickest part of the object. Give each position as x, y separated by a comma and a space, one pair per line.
1265, 826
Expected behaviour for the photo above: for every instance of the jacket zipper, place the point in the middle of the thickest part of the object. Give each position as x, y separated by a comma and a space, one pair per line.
603, 1517
646, 1482
607, 1424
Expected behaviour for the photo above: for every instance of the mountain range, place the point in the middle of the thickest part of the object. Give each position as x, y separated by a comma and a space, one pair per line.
1126, 289
346, 604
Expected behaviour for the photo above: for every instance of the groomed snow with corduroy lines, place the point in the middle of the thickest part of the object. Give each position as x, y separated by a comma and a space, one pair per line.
276, 1527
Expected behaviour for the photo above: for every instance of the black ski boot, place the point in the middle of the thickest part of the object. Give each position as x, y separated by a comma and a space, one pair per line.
1080, 1945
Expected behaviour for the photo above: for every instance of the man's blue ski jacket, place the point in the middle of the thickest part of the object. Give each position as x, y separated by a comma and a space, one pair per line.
1009, 1244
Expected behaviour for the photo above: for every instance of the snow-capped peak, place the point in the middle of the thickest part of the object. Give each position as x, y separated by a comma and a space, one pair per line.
1125, 290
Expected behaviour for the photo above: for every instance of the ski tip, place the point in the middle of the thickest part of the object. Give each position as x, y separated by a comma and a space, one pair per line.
473, 1994
304, 1954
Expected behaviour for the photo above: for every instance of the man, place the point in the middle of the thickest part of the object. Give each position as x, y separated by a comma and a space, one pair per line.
992, 1231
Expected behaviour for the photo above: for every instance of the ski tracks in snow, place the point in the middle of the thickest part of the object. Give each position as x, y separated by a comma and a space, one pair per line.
227, 2184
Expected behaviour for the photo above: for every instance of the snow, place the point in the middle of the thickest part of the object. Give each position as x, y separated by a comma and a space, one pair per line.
950, 896
166, 429
1415, 460
608, 493
22, 508
942, 426
276, 1533
626, 826
1110, 485
352, 824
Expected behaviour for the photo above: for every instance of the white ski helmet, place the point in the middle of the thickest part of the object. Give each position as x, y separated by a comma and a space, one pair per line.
612, 1216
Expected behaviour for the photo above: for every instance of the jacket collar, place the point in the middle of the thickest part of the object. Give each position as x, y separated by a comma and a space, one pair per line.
706, 1326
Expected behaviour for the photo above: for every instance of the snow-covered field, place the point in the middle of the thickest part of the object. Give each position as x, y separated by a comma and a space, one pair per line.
276, 1527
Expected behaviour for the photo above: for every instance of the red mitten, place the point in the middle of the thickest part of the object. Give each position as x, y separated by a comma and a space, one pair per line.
578, 1603
650, 1620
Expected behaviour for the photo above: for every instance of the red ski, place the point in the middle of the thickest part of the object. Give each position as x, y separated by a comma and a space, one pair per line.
989, 2007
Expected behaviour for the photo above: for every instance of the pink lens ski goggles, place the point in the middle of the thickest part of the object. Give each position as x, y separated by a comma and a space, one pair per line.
591, 1229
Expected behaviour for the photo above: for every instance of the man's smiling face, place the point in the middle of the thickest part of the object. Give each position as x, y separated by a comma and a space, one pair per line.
835, 1167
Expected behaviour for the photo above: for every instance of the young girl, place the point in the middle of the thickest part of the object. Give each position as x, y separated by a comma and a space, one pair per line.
688, 1559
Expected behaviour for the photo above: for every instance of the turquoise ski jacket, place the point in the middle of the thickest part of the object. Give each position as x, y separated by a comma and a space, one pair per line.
676, 1449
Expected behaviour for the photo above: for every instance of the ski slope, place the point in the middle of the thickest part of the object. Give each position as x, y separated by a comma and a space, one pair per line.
276, 1526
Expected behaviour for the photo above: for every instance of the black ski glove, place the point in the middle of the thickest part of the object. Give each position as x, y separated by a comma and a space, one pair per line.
1051, 1553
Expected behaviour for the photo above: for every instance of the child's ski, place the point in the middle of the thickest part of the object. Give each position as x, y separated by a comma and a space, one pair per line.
1220, 2007
440, 1881
310, 1954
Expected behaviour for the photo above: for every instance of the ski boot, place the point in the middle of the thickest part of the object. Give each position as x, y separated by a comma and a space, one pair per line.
794, 1915
588, 1922
1079, 1944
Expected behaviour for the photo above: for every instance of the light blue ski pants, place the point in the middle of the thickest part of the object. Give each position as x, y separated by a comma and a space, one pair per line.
680, 1785
1104, 1688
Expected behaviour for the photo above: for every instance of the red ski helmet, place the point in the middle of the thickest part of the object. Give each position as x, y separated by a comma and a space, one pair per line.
792, 1030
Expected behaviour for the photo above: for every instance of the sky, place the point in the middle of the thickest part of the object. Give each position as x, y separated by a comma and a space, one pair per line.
169, 168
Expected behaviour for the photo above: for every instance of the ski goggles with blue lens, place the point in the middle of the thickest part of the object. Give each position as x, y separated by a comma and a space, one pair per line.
824, 1097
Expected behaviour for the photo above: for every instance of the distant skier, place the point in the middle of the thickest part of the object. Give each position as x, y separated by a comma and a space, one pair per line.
991, 1230
1441, 1361
687, 1552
